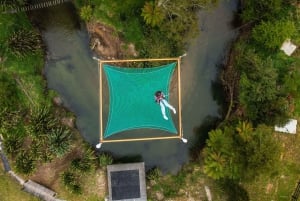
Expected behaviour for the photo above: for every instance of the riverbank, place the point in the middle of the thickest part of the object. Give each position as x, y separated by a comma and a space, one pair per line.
106, 43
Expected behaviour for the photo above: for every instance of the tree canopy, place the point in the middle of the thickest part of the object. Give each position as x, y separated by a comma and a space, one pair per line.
240, 152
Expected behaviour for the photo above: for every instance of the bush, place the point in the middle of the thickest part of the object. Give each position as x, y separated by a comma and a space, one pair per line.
59, 141
13, 140
42, 122
154, 174
86, 13
85, 163
71, 181
25, 163
261, 9
104, 160
271, 35
24, 41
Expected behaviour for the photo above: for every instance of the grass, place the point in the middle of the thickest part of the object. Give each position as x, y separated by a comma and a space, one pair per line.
93, 188
11, 190
26, 70
281, 186
188, 184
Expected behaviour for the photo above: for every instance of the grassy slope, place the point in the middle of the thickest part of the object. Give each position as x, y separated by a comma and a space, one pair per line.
281, 186
11, 190
27, 69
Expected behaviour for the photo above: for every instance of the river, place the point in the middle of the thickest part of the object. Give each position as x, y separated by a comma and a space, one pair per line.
71, 71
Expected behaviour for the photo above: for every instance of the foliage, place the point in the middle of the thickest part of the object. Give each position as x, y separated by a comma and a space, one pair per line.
71, 181
25, 163
218, 156
13, 140
181, 23
24, 41
42, 122
9, 92
240, 152
271, 35
259, 155
86, 12
259, 92
153, 14
59, 141
261, 9
6, 4
154, 174
85, 163
141, 22
104, 159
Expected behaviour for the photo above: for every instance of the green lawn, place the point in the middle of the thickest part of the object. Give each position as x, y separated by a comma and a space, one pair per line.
11, 190
281, 186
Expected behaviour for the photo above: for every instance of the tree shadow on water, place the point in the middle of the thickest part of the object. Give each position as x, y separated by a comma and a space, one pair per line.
201, 134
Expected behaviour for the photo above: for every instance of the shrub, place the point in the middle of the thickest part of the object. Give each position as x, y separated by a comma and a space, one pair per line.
13, 141
42, 122
154, 174
271, 34
25, 163
104, 160
85, 163
59, 141
261, 9
86, 13
71, 181
24, 41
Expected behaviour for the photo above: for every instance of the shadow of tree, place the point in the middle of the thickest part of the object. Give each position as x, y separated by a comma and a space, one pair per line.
201, 135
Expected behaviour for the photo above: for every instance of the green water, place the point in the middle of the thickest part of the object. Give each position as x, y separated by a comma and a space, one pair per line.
71, 71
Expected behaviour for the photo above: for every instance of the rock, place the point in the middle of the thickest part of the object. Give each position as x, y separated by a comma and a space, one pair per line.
68, 121
159, 196
57, 101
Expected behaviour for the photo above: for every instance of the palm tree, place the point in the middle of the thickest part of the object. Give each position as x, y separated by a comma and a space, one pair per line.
153, 14
245, 129
215, 164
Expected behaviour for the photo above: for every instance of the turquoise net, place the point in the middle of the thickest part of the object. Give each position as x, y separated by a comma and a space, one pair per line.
131, 98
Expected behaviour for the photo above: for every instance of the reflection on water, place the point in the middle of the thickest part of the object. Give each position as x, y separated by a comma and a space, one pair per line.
71, 71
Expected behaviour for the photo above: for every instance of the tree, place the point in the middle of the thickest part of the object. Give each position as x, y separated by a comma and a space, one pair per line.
259, 93
244, 129
261, 9
218, 155
86, 12
261, 154
271, 34
153, 14
229, 155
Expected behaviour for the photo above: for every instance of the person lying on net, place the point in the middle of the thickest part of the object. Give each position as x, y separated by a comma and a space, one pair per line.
160, 99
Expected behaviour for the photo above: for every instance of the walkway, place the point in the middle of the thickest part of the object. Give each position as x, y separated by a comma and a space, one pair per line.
36, 6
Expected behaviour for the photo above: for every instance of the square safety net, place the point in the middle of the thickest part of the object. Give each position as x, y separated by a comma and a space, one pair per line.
131, 98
